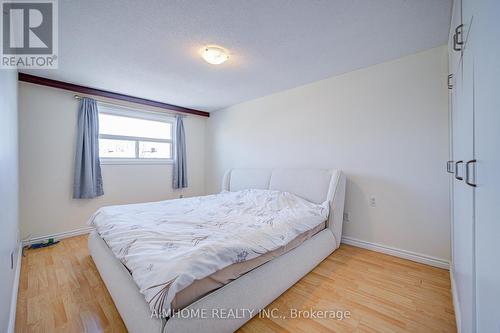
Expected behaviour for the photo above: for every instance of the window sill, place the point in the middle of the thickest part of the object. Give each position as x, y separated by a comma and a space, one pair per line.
135, 161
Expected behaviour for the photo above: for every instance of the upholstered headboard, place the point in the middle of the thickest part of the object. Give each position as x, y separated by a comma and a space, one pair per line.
315, 185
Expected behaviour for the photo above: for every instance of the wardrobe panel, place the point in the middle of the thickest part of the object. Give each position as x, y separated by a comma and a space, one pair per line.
486, 37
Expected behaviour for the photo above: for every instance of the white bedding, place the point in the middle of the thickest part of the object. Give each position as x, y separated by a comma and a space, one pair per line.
169, 244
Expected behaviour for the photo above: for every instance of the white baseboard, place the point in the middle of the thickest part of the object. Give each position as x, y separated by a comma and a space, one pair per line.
15, 288
454, 297
59, 235
414, 256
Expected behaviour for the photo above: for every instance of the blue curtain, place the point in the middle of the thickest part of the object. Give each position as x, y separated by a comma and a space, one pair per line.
179, 178
88, 178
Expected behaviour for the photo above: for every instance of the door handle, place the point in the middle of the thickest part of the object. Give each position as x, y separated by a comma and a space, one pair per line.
449, 166
450, 85
456, 170
467, 173
457, 44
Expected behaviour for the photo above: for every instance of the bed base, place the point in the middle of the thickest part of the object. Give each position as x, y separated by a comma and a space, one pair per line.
253, 291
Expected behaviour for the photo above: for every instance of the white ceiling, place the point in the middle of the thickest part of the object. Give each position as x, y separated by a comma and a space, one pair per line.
150, 49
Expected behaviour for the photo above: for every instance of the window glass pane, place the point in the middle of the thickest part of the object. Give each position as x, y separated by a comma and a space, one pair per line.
116, 148
118, 125
155, 150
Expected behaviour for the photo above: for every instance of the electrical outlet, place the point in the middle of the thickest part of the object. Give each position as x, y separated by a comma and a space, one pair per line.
373, 201
346, 217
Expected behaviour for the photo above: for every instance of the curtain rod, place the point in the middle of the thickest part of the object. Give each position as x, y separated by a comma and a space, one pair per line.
78, 97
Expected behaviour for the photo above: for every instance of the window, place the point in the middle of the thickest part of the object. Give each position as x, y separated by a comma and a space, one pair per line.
130, 136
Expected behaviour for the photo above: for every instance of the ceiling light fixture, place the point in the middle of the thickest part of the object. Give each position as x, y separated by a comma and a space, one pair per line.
214, 55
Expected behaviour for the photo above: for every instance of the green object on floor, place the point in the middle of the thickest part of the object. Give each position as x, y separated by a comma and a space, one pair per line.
50, 242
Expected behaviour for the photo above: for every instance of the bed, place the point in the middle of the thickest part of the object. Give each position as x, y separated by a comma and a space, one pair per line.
253, 290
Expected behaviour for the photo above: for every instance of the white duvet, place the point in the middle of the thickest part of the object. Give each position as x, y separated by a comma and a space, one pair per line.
169, 244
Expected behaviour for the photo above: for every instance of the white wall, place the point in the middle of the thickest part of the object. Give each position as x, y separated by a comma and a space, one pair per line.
47, 125
386, 126
9, 221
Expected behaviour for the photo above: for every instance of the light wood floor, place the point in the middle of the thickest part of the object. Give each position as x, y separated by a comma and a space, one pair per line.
61, 291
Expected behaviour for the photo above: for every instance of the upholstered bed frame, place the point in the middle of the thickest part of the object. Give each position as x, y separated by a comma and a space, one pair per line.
255, 289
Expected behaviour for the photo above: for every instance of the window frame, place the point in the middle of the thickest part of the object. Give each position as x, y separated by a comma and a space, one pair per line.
122, 111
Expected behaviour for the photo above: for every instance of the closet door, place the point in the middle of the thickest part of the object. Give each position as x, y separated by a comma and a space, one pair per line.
463, 194
486, 36
456, 20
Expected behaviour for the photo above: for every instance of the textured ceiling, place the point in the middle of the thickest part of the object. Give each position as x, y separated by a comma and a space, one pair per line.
150, 48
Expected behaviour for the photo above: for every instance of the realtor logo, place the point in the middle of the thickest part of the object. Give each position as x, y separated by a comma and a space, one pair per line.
29, 34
